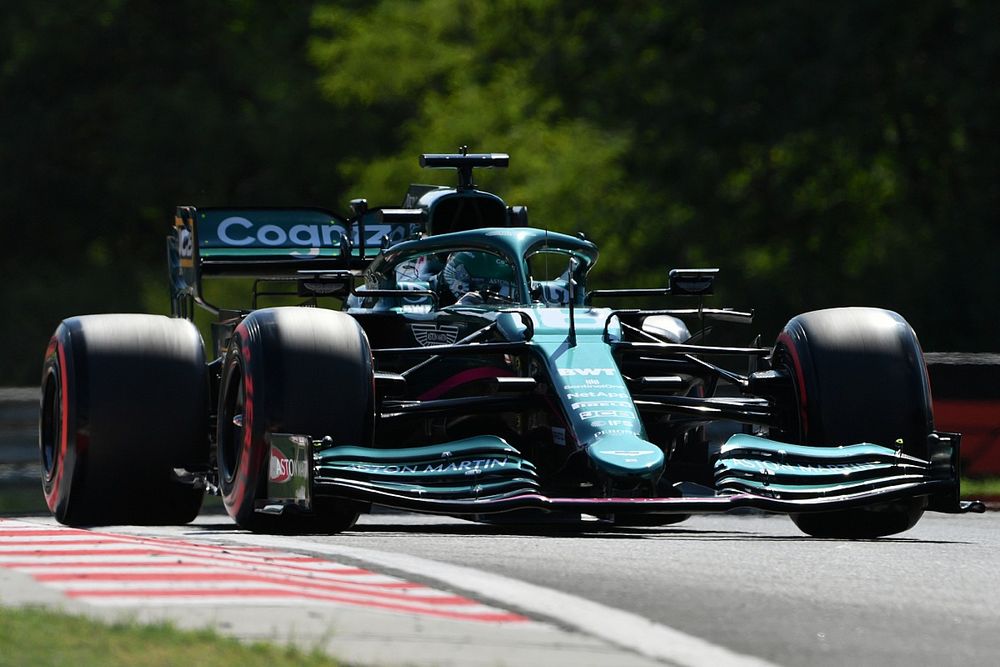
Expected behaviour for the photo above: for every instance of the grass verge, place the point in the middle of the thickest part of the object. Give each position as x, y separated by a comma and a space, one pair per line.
33, 637
22, 498
981, 488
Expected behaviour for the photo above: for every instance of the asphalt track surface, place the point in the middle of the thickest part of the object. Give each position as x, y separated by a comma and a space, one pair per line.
741, 590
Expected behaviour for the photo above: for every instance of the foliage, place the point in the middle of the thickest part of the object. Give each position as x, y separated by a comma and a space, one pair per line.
36, 637
114, 112
820, 154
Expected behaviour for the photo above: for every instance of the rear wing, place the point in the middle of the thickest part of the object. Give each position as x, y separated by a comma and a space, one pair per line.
275, 243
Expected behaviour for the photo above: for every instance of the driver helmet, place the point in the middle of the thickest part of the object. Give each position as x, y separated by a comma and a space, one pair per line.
418, 269
471, 271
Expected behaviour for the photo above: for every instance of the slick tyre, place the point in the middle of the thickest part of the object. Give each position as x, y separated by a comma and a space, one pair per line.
859, 376
290, 370
124, 403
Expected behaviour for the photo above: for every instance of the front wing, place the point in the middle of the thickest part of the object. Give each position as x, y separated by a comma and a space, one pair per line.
486, 476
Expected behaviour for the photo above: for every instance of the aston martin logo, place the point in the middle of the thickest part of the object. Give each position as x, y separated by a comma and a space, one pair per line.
432, 334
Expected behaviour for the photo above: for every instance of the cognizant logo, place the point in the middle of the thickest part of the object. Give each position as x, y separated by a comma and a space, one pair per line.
238, 231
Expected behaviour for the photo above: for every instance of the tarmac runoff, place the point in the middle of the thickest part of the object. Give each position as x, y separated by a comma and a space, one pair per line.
266, 593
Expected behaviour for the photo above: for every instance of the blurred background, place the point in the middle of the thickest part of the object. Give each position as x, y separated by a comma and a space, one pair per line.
820, 154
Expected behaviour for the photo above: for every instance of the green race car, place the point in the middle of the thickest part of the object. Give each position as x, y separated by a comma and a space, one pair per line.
466, 368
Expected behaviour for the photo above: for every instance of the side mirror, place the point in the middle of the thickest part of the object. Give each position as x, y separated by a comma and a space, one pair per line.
359, 207
692, 282
517, 216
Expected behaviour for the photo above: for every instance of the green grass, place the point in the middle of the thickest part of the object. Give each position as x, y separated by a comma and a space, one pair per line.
31, 637
22, 498
981, 488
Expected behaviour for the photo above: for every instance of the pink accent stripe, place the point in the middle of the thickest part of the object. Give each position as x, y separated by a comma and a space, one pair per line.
218, 555
110, 564
495, 617
292, 584
196, 561
137, 551
52, 543
319, 576
466, 376
41, 533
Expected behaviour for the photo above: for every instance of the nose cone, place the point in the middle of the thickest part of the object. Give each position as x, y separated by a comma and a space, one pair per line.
626, 456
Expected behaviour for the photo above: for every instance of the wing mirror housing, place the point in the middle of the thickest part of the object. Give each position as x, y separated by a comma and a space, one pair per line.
692, 282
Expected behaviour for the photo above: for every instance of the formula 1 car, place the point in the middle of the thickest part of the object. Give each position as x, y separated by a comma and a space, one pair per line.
468, 370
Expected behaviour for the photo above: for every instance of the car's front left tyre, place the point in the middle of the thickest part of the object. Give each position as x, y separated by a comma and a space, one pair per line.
305, 371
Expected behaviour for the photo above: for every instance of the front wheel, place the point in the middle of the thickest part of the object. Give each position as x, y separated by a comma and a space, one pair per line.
290, 370
124, 403
859, 376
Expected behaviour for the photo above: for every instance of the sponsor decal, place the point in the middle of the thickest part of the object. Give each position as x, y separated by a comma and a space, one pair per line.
601, 404
591, 414
623, 425
185, 243
325, 288
431, 334
554, 294
241, 232
508, 232
281, 468
470, 467
597, 394
611, 431
774, 468
583, 372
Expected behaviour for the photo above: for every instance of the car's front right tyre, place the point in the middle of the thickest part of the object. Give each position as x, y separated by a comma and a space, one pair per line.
124, 403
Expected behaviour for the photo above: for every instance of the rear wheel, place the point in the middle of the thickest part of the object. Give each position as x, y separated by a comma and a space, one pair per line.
124, 402
859, 376
290, 370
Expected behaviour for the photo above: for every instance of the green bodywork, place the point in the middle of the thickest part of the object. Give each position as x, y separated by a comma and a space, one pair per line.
597, 404
600, 415
516, 244
482, 466
765, 467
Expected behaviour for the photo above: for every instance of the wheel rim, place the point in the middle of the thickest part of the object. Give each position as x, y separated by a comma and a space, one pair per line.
231, 424
51, 423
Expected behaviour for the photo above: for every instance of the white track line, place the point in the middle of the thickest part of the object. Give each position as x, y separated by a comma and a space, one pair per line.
616, 626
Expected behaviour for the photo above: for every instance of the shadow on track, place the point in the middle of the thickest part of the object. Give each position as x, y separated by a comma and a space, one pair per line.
575, 530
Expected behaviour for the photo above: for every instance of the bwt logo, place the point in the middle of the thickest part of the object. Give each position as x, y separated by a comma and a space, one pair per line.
571, 372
